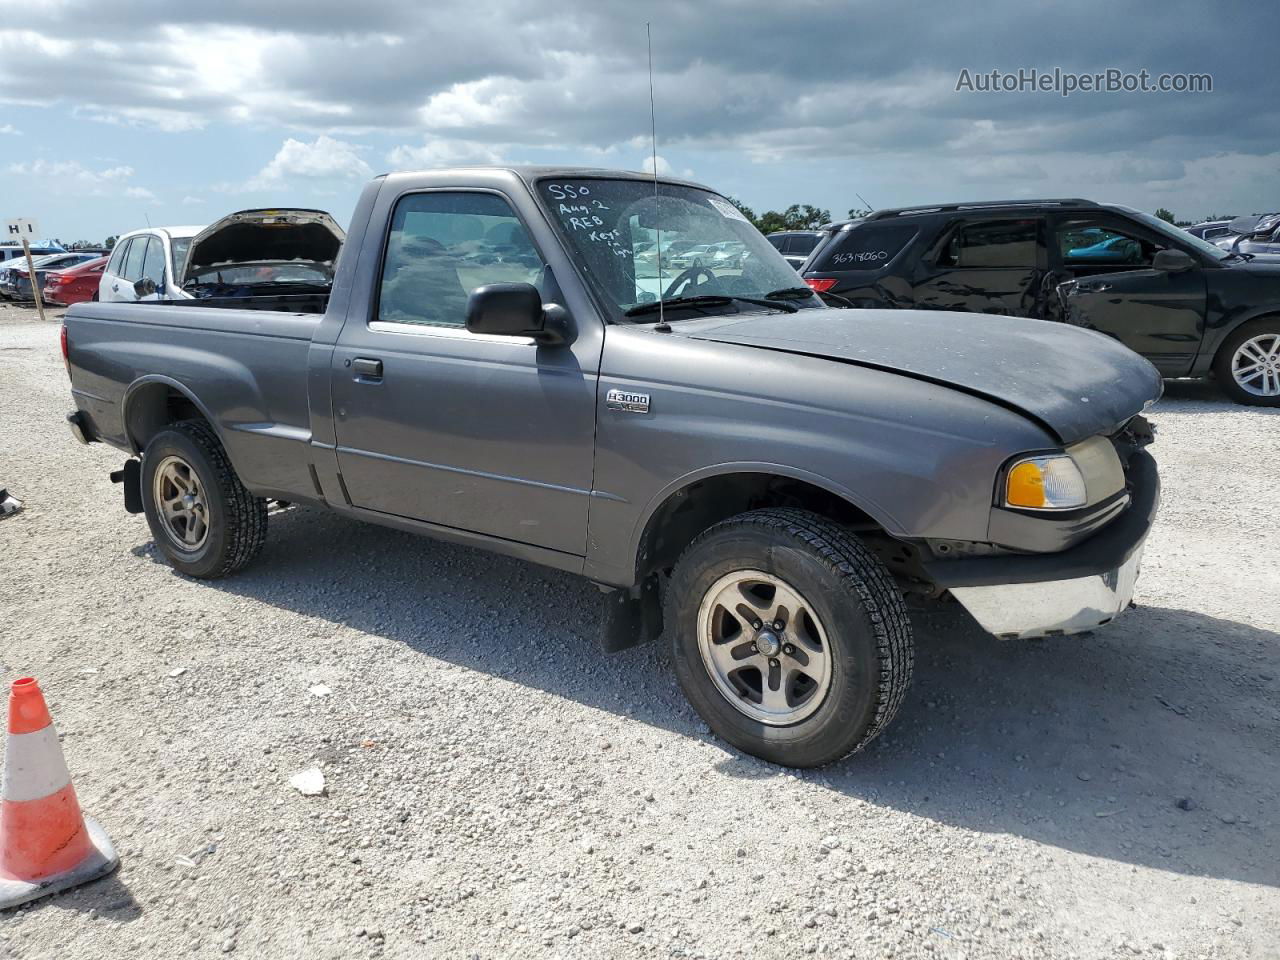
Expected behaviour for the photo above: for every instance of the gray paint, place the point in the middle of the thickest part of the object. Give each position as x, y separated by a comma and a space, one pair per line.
511, 446
1076, 386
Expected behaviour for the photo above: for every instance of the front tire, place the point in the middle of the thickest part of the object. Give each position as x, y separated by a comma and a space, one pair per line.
202, 518
790, 637
1248, 363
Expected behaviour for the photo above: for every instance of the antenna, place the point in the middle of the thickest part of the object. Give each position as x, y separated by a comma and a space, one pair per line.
653, 138
146, 217
863, 199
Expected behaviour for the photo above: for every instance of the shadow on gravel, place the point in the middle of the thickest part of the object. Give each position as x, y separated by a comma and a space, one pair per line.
109, 899
1152, 742
1202, 396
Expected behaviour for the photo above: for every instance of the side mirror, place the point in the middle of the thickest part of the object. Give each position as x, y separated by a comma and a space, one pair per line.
1172, 261
144, 287
516, 310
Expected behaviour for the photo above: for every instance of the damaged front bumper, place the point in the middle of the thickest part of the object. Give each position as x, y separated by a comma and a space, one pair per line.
1051, 607
1027, 595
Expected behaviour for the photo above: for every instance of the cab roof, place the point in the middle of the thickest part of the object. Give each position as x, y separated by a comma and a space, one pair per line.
530, 173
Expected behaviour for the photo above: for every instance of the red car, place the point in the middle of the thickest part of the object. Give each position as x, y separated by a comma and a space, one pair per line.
74, 284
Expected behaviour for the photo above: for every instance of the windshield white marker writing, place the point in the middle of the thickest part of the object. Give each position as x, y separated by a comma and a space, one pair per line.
585, 217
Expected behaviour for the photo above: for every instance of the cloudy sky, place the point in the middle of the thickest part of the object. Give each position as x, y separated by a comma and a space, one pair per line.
115, 114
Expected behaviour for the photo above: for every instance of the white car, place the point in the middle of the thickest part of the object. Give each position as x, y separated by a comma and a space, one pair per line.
250, 252
151, 253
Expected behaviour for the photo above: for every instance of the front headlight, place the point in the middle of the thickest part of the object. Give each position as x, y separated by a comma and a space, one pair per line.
1051, 482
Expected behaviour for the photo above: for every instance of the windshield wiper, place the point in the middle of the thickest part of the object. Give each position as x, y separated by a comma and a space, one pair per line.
707, 300
790, 293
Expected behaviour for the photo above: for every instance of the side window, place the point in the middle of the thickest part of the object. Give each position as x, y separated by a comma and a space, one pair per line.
444, 245
133, 262
992, 243
803, 244
116, 264
153, 262
1089, 243
778, 242
867, 246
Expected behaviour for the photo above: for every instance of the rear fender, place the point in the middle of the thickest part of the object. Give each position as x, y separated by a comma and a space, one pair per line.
145, 409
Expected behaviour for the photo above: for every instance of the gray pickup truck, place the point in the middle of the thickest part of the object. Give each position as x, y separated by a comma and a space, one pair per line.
505, 361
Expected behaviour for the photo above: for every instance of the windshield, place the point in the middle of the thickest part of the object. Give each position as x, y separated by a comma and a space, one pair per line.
1181, 236
179, 246
685, 242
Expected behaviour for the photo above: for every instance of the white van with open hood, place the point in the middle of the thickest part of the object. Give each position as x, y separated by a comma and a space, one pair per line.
260, 252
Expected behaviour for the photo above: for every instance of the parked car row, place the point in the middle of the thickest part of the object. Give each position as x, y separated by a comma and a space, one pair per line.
15, 278
1194, 308
1255, 236
279, 252
12, 251
1209, 229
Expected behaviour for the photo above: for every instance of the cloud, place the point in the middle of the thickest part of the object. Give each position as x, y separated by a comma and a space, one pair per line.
664, 168
140, 193
190, 201
443, 153
71, 176
780, 91
490, 102
323, 159
1143, 170
154, 118
1004, 170
10, 129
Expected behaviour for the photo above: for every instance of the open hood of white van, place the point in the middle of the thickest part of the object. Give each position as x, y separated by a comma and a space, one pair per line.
279, 236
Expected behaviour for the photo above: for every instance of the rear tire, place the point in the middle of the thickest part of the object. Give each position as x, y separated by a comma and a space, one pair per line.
838, 668
202, 518
1247, 366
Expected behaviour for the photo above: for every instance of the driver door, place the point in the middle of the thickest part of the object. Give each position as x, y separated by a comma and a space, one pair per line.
1153, 312
489, 434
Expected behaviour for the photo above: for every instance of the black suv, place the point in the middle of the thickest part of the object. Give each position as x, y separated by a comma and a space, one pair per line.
1191, 308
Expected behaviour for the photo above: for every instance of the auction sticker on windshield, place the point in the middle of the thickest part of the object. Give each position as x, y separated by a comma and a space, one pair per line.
727, 209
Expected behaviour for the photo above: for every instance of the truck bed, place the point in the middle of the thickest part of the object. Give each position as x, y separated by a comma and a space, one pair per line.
246, 361
282, 302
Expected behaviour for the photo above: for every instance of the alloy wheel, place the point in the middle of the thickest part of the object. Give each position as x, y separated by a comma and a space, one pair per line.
180, 504
764, 647
1256, 365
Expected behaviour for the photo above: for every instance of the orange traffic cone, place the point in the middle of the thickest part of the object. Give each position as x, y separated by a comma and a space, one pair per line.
46, 844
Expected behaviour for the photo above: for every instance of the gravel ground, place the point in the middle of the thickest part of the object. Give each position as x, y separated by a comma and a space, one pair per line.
496, 787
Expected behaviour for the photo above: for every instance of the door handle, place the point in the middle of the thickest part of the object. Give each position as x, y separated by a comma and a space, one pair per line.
367, 368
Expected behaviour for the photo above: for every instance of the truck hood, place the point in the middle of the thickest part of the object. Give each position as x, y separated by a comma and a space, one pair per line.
265, 236
1074, 382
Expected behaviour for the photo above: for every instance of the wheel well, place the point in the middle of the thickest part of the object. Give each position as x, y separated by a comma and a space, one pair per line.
1222, 344
692, 509
153, 407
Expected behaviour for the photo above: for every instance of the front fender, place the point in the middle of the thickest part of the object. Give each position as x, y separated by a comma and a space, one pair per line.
876, 511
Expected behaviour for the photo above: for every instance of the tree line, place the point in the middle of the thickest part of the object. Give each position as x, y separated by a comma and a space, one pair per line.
74, 245
798, 216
